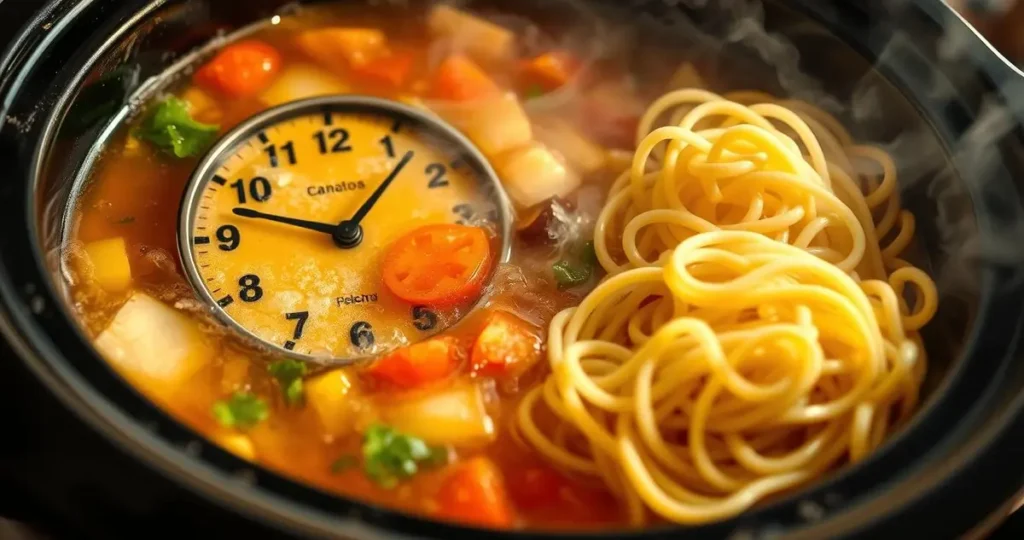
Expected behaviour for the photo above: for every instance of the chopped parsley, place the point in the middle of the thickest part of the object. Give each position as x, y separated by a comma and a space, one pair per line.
171, 128
577, 268
390, 457
289, 375
242, 410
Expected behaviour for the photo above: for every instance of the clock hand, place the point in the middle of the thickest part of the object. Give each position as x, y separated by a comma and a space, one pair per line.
326, 228
349, 234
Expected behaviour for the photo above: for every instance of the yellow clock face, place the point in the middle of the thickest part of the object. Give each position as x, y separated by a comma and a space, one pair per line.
286, 223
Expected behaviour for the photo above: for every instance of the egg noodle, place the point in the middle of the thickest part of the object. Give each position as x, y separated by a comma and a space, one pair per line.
757, 326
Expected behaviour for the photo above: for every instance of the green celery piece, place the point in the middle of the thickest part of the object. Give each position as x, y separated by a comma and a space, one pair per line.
171, 128
242, 410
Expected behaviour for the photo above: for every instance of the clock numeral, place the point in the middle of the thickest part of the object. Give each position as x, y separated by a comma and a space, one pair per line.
436, 171
423, 318
250, 288
388, 146
339, 138
259, 189
229, 237
361, 335
300, 317
289, 150
465, 212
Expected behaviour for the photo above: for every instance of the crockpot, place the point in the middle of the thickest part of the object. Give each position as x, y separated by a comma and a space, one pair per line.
84, 454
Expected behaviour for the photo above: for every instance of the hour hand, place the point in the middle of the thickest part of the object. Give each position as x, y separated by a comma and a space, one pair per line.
325, 228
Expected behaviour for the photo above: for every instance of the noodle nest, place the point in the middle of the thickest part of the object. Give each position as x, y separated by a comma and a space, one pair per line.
757, 326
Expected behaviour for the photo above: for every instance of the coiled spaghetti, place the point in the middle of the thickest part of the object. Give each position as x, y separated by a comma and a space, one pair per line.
757, 326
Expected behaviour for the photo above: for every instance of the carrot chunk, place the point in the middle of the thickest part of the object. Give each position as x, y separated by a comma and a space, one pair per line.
239, 70
459, 79
507, 345
390, 70
551, 70
475, 494
418, 364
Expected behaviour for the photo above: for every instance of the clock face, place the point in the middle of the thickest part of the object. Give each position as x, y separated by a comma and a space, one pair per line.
285, 227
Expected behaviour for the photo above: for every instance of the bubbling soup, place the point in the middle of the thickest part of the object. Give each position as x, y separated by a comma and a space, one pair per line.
699, 301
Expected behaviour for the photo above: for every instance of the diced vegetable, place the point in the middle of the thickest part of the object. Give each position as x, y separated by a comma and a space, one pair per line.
496, 125
438, 265
110, 267
234, 371
341, 48
577, 268
301, 81
241, 69
475, 494
154, 346
533, 174
331, 396
551, 70
238, 444
452, 416
390, 456
544, 223
419, 364
483, 40
202, 106
391, 69
583, 154
289, 373
459, 79
507, 345
243, 410
171, 128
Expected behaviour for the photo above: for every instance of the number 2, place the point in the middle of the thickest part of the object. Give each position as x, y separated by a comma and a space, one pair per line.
340, 145
437, 172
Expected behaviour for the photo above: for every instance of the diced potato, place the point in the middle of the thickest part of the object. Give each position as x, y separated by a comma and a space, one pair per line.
495, 125
533, 174
301, 81
485, 41
329, 395
154, 346
340, 48
583, 154
110, 267
455, 415
238, 444
202, 106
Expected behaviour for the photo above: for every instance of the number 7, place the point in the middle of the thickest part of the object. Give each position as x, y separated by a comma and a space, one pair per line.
300, 316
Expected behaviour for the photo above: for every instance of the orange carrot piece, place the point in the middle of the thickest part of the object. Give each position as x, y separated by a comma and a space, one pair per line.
418, 364
239, 70
551, 70
459, 79
475, 494
507, 345
391, 70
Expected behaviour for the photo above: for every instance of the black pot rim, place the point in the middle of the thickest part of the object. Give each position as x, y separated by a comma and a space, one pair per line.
35, 305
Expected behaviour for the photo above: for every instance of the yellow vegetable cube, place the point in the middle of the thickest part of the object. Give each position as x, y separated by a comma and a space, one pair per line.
110, 267
329, 395
238, 444
485, 41
300, 81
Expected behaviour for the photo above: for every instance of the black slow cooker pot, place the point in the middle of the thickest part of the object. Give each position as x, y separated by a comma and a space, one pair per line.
83, 454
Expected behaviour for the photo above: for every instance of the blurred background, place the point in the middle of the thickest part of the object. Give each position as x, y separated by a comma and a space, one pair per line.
1000, 21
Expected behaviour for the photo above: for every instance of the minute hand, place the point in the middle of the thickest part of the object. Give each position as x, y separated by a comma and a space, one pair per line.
311, 225
368, 205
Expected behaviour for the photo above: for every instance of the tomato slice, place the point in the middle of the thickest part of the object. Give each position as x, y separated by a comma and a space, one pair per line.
438, 265
240, 70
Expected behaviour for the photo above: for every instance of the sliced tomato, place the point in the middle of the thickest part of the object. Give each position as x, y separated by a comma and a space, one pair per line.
475, 494
418, 364
507, 345
239, 70
438, 265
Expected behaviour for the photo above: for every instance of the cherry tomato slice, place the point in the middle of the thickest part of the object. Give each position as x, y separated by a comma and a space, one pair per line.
240, 70
438, 265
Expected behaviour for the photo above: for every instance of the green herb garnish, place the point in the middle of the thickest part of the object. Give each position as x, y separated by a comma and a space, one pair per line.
243, 410
171, 128
343, 464
390, 457
289, 375
577, 268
